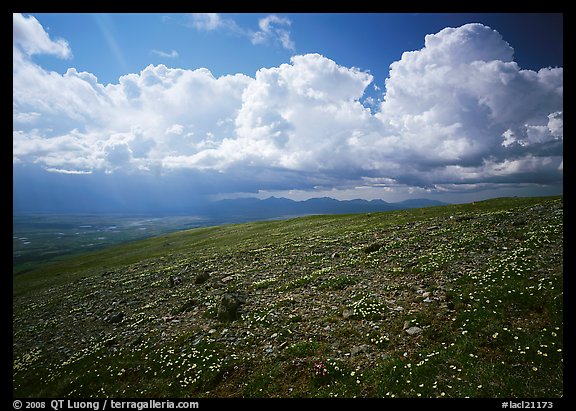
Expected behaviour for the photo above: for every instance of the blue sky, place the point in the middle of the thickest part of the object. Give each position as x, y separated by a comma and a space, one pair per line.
150, 111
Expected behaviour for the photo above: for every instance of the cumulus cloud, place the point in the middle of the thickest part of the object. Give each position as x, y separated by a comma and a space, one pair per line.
462, 100
29, 36
294, 117
457, 112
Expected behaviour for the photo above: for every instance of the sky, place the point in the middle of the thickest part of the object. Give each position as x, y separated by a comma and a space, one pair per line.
160, 112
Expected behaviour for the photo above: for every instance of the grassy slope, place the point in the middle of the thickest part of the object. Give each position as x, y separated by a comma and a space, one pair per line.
327, 301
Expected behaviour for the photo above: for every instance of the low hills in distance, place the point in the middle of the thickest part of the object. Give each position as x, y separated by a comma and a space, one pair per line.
452, 301
42, 237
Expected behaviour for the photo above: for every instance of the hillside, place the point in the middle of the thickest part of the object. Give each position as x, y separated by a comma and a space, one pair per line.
450, 301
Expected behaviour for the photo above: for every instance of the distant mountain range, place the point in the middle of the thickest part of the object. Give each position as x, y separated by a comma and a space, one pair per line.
273, 207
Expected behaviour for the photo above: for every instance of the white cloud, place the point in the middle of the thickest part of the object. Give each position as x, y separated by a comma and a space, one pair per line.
171, 55
214, 22
458, 111
274, 29
461, 100
64, 171
301, 115
29, 36
206, 21
151, 110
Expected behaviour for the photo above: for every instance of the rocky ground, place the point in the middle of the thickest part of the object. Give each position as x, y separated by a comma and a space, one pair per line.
432, 302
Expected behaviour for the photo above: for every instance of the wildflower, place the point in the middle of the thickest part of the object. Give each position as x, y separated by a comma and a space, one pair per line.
320, 369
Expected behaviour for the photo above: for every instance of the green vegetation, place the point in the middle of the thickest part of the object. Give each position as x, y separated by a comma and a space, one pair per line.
40, 238
452, 301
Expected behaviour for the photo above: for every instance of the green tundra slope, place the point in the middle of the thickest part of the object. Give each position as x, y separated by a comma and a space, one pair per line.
451, 301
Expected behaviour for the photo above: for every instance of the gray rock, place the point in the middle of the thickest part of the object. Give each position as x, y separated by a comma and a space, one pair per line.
372, 248
228, 308
174, 280
115, 318
359, 349
414, 330
186, 307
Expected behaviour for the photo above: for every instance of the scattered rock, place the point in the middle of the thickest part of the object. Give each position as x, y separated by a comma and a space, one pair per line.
228, 308
174, 281
186, 307
426, 295
115, 318
372, 248
359, 349
414, 330
347, 313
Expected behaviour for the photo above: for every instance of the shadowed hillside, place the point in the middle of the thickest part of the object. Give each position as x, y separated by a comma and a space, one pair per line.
449, 301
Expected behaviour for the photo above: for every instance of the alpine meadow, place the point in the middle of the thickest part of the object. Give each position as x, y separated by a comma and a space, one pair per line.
448, 301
